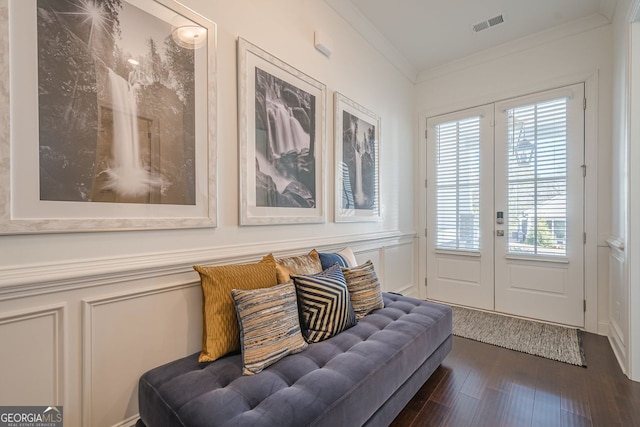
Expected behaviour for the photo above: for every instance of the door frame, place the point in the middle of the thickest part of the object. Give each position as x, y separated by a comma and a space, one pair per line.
591, 83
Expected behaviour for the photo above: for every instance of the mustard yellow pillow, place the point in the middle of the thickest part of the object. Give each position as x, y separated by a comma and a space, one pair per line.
220, 332
303, 264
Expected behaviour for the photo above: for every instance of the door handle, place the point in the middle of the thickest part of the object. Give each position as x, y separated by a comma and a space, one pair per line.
500, 233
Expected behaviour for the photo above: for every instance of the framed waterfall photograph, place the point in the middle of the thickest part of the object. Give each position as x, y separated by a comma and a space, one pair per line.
357, 161
281, 128
112, 109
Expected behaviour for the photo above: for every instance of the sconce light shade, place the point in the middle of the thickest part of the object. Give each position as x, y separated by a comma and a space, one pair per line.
189, 36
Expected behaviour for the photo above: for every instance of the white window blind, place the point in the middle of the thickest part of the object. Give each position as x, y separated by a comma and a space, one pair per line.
537, 178
458, 185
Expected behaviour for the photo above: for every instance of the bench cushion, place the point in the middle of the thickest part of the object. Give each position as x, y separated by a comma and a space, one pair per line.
341, 381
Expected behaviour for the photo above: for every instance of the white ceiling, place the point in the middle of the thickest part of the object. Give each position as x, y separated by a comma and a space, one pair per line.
430, 33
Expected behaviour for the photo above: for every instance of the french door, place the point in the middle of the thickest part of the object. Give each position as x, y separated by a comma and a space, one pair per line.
505, 213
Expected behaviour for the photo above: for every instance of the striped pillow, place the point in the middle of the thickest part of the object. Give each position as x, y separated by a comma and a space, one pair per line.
364, 289
269, 325
324, 304
302, 264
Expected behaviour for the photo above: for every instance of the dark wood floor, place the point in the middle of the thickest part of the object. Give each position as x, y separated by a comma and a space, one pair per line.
483, 385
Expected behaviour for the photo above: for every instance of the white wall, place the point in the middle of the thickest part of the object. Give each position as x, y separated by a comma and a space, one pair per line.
82, 315
619, 111
574, 53
285, 29
618, 284
633, 233
625, 287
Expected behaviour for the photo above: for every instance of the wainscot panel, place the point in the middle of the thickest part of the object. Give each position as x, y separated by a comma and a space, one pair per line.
618, 296
150, 328
32, 343
375, 255
399, 269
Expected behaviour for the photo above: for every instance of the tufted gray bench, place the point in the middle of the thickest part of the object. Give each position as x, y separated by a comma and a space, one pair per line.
362, 376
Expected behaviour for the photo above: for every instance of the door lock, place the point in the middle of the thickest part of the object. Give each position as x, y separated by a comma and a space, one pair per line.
499, 217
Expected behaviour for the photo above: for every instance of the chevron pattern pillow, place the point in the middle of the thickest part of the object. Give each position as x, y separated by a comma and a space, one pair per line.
324, 304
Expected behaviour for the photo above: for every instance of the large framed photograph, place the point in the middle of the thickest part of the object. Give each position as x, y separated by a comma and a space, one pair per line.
282, 140
357, 162
112, 117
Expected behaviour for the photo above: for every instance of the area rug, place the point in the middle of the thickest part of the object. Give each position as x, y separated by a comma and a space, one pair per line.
527, 336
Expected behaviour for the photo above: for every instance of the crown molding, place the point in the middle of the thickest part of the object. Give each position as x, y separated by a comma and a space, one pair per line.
633, 14
608, 8
588, 23
373, 36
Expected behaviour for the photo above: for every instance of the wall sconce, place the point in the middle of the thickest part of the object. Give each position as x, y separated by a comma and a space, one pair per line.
189, 36
186, 33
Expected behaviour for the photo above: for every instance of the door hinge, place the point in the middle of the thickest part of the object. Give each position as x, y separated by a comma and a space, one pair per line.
426, 134
425, 282
584, 238
584, 103
426, 232
584, 305
426, 183
584, 170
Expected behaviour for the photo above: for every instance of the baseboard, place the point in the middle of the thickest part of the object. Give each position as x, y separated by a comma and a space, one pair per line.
603, 328
129, 422
619, 351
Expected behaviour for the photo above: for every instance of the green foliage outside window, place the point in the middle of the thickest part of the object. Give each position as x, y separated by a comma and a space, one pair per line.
543, 237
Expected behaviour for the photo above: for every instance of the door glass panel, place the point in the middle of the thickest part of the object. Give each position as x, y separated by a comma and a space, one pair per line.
458, 185
537, 178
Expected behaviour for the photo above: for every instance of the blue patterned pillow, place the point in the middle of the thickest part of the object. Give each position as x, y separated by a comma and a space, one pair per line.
324, 304
344, 258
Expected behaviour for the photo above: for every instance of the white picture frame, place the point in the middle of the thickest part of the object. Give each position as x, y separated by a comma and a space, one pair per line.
70, 172
357, 162
282, 137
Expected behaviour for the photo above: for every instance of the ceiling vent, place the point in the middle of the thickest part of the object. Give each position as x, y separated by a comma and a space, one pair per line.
491, 22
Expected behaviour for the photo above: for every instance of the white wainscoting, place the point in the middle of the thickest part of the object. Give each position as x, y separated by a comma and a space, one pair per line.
153, 327
399, 273
618, 302
32, 366
80, 335
394, 266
